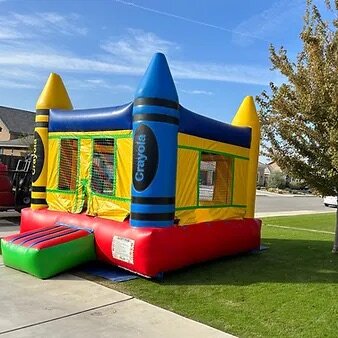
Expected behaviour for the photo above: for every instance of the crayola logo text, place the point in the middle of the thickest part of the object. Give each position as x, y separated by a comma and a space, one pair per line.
38, 156
141, 157
145, 157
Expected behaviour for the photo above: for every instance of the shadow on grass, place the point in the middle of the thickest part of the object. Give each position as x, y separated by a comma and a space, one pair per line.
286, 261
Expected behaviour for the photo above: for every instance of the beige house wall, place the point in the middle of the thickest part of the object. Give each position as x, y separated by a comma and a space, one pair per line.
4, 132
273, 166
260, 174
14, 152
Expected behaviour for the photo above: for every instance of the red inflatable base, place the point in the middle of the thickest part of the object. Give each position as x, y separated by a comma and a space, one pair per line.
150, 251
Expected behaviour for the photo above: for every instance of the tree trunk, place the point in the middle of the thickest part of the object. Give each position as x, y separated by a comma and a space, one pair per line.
335, 244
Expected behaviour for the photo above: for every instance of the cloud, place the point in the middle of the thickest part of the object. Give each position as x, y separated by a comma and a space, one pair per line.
237, 73
124, 55
265, 25
57, 62
197, 92
15, 84
9, 33
126, 88
100, 83
96, 81
19, 74
137, 46
23, 26
18, 78
53, 21
97, 84
256, 75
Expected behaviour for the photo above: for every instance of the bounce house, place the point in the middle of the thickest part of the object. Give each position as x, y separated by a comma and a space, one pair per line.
148, 186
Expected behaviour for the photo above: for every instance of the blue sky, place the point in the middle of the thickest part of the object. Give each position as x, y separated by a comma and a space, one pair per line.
217, 49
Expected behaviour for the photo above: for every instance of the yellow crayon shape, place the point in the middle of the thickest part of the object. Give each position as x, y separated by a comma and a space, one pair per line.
53, 96
246, 116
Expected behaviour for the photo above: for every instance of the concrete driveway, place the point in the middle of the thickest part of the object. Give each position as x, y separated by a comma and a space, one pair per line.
68, 306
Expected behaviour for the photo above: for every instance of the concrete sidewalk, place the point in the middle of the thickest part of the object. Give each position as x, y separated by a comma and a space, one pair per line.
7, 227
68, 306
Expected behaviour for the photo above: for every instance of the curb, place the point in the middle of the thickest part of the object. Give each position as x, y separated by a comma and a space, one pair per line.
284, 195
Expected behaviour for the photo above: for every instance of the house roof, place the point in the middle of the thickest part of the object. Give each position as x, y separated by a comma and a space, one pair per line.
17, 120
23, 142
273, 166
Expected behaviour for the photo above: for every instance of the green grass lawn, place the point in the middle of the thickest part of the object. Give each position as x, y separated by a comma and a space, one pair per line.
290, 290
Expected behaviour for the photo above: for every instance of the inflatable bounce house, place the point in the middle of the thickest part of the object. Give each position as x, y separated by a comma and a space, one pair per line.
148, 186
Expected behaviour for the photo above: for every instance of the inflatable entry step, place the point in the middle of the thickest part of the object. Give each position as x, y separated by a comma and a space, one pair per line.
49, 251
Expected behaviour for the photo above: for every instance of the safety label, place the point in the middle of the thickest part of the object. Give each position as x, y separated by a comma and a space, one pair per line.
123, 249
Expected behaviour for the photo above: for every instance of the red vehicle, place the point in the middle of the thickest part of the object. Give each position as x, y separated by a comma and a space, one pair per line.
6, 194
15, 186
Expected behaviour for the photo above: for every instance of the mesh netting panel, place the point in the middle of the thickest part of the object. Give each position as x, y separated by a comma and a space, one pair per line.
103, 166
215, 181
68, 164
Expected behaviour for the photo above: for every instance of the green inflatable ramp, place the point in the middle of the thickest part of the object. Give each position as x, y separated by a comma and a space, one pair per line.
48, 251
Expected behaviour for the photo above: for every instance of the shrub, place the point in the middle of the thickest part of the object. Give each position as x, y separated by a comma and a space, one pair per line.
276, 180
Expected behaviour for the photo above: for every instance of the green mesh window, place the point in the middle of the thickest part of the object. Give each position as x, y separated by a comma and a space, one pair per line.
215, 181
68, 164
102, 181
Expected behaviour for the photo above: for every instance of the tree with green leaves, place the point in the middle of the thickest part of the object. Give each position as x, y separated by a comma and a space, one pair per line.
300, 117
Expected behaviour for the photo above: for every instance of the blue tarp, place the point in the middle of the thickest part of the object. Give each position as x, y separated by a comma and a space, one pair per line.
112, 273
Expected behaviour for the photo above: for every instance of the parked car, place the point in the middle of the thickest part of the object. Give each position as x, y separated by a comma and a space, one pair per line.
330, 201
15, 185
6, 194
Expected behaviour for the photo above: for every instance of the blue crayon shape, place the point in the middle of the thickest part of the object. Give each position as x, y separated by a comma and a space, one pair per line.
155, 129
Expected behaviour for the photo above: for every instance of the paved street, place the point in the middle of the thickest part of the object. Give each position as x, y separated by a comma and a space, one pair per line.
289, 203
266, 204
269, 204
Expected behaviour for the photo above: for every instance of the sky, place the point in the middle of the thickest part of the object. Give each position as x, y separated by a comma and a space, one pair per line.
217, 50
